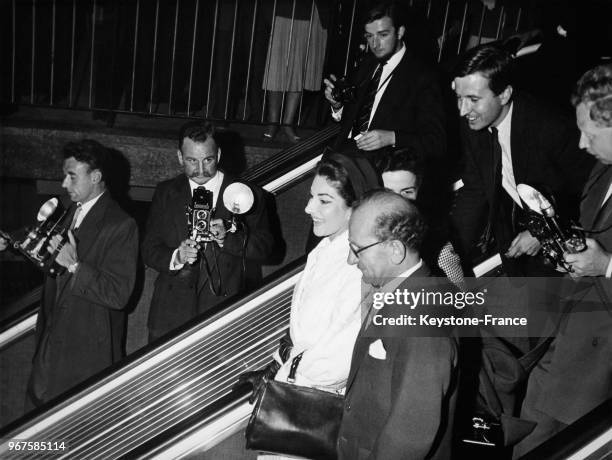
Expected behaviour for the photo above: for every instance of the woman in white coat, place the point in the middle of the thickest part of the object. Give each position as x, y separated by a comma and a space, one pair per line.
326, 304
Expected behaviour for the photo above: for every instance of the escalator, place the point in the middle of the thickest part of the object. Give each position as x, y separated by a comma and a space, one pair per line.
175, 398
286, 175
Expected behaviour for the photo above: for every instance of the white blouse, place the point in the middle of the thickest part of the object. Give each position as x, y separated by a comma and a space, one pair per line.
325, 317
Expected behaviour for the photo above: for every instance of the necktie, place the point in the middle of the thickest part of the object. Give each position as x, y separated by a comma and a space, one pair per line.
363, 116
75, 218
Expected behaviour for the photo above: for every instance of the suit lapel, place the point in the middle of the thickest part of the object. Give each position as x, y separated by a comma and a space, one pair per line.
221, 212
182, 196
86, 235
594, 214
519, 137
362, 344
395, 88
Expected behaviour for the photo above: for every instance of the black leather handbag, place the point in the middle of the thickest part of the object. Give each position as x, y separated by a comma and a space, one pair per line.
295, 420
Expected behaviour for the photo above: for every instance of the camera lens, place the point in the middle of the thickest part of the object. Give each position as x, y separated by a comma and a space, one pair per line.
201, 214
200, 225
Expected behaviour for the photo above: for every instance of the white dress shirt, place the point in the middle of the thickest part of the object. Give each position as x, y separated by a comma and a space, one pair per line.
385, 78
503, 134
325, 317
85, 208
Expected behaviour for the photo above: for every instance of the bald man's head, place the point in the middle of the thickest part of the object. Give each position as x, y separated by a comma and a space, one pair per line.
385, 233
392, 217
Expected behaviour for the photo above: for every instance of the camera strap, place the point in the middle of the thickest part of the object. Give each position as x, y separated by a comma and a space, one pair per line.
205, 266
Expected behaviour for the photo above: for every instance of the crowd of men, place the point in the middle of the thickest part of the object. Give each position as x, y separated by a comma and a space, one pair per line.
401, 402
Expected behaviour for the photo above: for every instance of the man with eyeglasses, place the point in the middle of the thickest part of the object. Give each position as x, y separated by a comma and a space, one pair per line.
397, 100
401, 389
194, 277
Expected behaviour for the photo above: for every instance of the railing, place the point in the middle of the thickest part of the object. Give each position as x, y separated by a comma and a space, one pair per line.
205, 58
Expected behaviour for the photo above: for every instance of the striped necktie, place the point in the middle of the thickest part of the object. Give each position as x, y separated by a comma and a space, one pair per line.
363, 116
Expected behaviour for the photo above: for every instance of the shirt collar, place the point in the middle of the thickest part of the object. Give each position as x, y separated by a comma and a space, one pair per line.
211, 185
85, 208
396, 58
396, 281
503, 128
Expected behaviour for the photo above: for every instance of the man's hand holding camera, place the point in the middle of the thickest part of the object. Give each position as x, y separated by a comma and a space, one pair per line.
187, 252
67, 256
329, 90
218, 231
593, 261
523, 243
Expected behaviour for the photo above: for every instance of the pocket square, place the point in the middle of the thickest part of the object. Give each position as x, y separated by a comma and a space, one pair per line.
377, 350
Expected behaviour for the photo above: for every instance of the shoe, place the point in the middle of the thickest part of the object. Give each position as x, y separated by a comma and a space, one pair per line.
270, 133
291, 135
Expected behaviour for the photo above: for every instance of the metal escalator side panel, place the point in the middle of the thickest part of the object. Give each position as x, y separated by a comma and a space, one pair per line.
169, 384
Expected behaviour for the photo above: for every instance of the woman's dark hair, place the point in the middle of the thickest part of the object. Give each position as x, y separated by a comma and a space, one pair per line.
338, 178
404, 159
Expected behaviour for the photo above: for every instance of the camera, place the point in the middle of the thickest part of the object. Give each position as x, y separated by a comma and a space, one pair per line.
555, 236
34, 246
343, 91
199, 213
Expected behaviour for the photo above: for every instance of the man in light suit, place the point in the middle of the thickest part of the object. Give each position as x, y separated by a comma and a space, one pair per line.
401, 389
398, 101
575, 374
81, 325
194, 277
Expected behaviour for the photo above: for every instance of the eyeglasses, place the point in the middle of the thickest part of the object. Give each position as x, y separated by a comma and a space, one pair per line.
358, 251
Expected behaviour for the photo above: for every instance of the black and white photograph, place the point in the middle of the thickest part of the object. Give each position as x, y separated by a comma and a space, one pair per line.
306, 229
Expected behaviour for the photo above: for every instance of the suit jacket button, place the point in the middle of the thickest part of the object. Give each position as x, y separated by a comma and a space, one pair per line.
595, 341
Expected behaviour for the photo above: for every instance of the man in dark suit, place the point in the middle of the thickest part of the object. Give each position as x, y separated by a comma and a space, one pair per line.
398, 101
575, 374
401, 388
195, 276
81, 325
508, 139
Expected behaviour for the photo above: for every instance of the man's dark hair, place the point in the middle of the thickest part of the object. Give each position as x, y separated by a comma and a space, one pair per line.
197, 131
396, 218
389, 8
596, 86
491, 62
91, 152
404, 159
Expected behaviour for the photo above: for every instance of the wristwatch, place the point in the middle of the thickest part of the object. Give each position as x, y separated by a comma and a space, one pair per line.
73, 267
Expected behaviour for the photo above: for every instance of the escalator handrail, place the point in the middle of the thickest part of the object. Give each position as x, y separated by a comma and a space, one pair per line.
149, 356
580, 440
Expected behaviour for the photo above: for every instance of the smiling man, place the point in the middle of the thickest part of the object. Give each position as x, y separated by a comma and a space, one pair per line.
194, 277
508, 139
81, 325
397, 100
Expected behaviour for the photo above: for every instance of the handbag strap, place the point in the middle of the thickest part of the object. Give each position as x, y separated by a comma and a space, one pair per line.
293, 369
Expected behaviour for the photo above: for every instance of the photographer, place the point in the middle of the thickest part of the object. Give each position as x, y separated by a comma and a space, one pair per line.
195, 276
393, 99
575, 374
